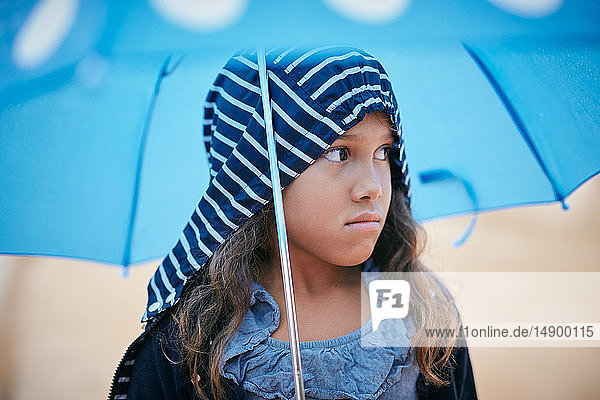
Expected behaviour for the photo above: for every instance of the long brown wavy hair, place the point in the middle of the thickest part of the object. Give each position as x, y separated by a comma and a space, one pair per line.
217, 298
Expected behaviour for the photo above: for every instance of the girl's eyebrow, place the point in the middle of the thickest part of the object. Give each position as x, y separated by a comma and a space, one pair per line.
352, 136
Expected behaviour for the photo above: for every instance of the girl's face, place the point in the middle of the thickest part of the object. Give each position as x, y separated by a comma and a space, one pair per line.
350, 182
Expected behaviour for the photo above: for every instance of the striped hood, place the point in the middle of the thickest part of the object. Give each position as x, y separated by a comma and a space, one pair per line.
316, 95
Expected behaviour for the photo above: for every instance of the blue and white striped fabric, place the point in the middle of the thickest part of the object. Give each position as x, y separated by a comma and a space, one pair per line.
316, 95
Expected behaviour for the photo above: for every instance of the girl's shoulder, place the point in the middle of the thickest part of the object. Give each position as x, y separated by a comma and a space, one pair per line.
459, 374
152, 367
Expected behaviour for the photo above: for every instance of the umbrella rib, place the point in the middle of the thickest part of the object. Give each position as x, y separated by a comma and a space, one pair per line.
140, 161
517, 120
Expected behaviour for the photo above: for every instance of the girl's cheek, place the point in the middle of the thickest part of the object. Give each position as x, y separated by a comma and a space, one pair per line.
331, 174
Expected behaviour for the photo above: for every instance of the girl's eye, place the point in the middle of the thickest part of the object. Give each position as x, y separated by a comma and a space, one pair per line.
336, 155
383, 153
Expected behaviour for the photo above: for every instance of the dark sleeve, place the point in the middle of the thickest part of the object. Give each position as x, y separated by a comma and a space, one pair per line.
158, 372
460, 374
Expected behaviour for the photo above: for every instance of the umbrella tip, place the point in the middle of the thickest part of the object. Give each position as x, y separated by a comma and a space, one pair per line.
564, 204
124, 271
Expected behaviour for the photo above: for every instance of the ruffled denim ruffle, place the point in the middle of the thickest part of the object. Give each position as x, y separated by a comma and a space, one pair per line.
346, 367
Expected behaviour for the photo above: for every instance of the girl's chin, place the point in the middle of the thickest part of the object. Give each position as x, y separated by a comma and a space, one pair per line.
351, 259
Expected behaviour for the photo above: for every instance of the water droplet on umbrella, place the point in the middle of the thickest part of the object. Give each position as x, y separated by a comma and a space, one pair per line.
370, 12
43, 32
529, 8
200, 15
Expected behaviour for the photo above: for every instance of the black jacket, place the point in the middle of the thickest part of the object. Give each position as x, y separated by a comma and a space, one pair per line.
145, 372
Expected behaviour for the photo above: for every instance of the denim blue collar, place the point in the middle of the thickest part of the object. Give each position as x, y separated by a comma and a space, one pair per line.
350, 366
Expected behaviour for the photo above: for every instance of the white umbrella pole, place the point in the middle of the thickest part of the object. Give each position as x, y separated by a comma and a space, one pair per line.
281, 232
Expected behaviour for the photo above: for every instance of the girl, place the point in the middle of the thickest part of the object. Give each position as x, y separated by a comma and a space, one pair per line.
216, 311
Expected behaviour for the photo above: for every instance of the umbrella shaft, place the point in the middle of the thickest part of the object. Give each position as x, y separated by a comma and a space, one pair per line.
286, 271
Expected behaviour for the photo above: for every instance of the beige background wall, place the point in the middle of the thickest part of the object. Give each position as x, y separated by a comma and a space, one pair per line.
64, 324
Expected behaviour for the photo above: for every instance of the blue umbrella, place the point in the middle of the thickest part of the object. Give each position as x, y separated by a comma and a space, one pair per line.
98, 180
518, 122
500, 107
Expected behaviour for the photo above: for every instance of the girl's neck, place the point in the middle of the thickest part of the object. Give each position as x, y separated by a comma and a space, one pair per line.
327, 298
312, 277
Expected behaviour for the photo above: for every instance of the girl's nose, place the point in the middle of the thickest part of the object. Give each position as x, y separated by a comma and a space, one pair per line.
367, 186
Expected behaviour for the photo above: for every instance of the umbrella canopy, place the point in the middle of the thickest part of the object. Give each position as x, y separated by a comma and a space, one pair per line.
93, 168
515, 121
43, 36
500, 107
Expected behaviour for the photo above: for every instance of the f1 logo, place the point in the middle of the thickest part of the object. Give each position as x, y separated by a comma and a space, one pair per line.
388, 299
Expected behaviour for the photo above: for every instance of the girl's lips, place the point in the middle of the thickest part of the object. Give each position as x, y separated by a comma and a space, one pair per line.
372, 216
364, 226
